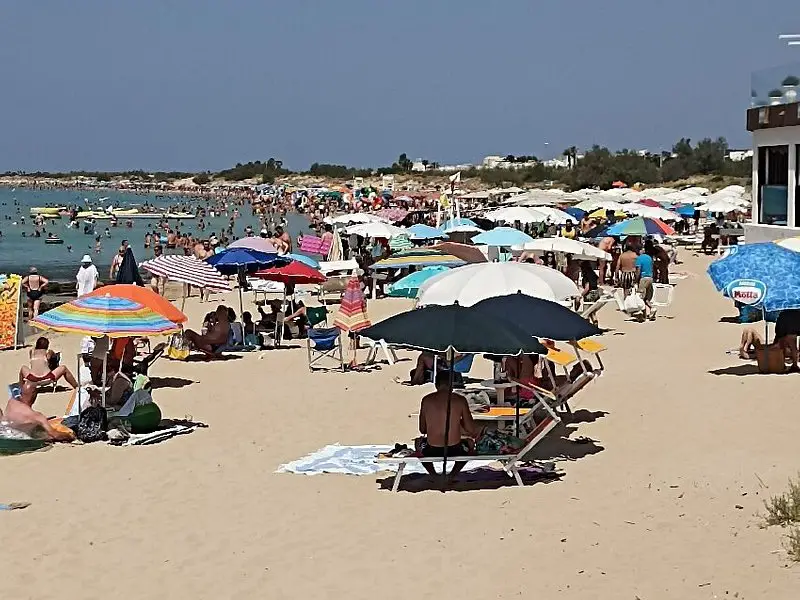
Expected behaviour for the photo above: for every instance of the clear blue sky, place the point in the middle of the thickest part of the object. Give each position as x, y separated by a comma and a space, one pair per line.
203, 84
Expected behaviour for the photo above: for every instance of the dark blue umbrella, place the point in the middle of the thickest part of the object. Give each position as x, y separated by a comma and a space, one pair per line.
575, 212
239, 261
538, 317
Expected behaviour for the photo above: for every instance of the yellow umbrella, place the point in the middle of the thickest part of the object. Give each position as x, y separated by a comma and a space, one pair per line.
600, 213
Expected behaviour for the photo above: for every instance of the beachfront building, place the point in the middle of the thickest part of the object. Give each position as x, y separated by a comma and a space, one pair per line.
774, 121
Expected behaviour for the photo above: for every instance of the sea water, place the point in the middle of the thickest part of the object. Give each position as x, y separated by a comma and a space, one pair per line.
59, 262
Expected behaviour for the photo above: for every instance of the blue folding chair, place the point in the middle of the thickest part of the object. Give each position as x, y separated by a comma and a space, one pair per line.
324, 344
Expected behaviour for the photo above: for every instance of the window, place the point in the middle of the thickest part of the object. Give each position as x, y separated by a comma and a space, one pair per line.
763, 116
773, 188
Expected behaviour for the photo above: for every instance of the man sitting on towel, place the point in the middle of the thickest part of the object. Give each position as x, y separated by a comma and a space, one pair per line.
432, 417
214, 338
20, 413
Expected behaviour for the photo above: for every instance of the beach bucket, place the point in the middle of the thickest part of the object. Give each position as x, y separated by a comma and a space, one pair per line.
770, 359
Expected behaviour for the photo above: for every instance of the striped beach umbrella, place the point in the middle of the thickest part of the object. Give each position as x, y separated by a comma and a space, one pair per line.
401, 242
187, 269
104, 315
352, 315
640, 226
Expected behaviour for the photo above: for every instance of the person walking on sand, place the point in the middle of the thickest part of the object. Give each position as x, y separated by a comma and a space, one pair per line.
34, 285
87, 276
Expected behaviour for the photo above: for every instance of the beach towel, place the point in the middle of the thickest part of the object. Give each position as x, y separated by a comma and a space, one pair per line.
315, 245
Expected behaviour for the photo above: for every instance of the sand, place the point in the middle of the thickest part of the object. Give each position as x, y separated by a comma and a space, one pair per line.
664, 503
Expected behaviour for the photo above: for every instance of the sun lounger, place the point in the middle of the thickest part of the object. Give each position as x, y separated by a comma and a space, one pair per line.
590, 310
507, 415
509, 462
594, 348
376, 347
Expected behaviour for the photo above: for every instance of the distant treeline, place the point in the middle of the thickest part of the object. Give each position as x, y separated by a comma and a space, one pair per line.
598, 167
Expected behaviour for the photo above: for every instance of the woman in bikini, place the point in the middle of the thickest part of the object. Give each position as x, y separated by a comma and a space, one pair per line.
34, 285
39, 373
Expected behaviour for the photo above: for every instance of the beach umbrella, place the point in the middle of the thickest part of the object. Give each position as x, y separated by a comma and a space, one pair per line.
764, 275
392, 215
640, 226
375, 230
255, 243
466, 252
295, 273
539, 317
105, 315
418, 257
408, 286
352, 315
512, 214
425, 232
240, 261
605, 204
578, 249
555, 215
602, 213
652, 212
400, 242
648, 202
684, 210
470, 284
128, 269
306, 260
501, 236
450, 330
723, 205
144, 296
460, 225
188, 270
575, 212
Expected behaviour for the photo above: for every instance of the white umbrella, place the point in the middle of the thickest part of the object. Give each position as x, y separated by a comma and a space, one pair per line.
792, 243
578, 249
592, 204
722, 205
512, 214
376, 229
354, 218
651, 212
470, 284
555, 215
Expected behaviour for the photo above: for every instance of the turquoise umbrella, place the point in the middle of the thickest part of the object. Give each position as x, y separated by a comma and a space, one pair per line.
408, 286
502, 236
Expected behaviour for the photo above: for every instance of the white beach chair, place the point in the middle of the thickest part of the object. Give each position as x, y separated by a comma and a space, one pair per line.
663, 294
590, 310
375, 347
509, 462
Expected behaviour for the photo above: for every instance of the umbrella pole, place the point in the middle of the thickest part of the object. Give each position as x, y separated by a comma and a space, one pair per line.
78, 390
103, 379
450, 357
517, 411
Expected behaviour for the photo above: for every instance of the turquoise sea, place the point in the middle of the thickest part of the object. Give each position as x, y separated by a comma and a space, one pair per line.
58, 262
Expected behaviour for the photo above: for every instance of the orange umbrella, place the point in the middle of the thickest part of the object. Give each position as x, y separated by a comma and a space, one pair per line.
144, 296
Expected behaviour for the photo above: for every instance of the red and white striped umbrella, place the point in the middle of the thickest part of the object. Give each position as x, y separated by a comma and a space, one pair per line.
187, 269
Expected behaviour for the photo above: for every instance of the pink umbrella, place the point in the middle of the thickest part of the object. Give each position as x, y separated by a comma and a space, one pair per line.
392, 214
649, 202
254, 243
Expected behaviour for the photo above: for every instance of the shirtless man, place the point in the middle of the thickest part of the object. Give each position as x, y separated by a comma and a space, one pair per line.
432, 417
626, 269
22, 417
216, 336
607, 245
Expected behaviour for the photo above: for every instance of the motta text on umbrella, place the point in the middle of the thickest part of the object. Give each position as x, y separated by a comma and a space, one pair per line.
747, 291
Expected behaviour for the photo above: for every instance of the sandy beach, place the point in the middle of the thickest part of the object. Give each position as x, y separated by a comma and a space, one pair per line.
662, 501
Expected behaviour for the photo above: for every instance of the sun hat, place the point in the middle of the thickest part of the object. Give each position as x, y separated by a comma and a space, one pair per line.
86, 259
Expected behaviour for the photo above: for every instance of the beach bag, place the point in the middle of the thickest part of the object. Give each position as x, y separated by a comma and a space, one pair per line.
92, 424
177, 347
633, 303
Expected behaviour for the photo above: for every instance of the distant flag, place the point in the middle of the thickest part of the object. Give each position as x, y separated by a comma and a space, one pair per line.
454, 179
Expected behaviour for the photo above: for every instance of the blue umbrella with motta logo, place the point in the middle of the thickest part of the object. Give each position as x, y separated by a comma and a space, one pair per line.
764, 275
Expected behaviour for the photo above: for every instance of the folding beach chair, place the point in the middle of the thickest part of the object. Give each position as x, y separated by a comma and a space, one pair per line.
594, 348
324, 344
316, 315
509, 462
590, 310
542, 402
461, 367
143, 364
